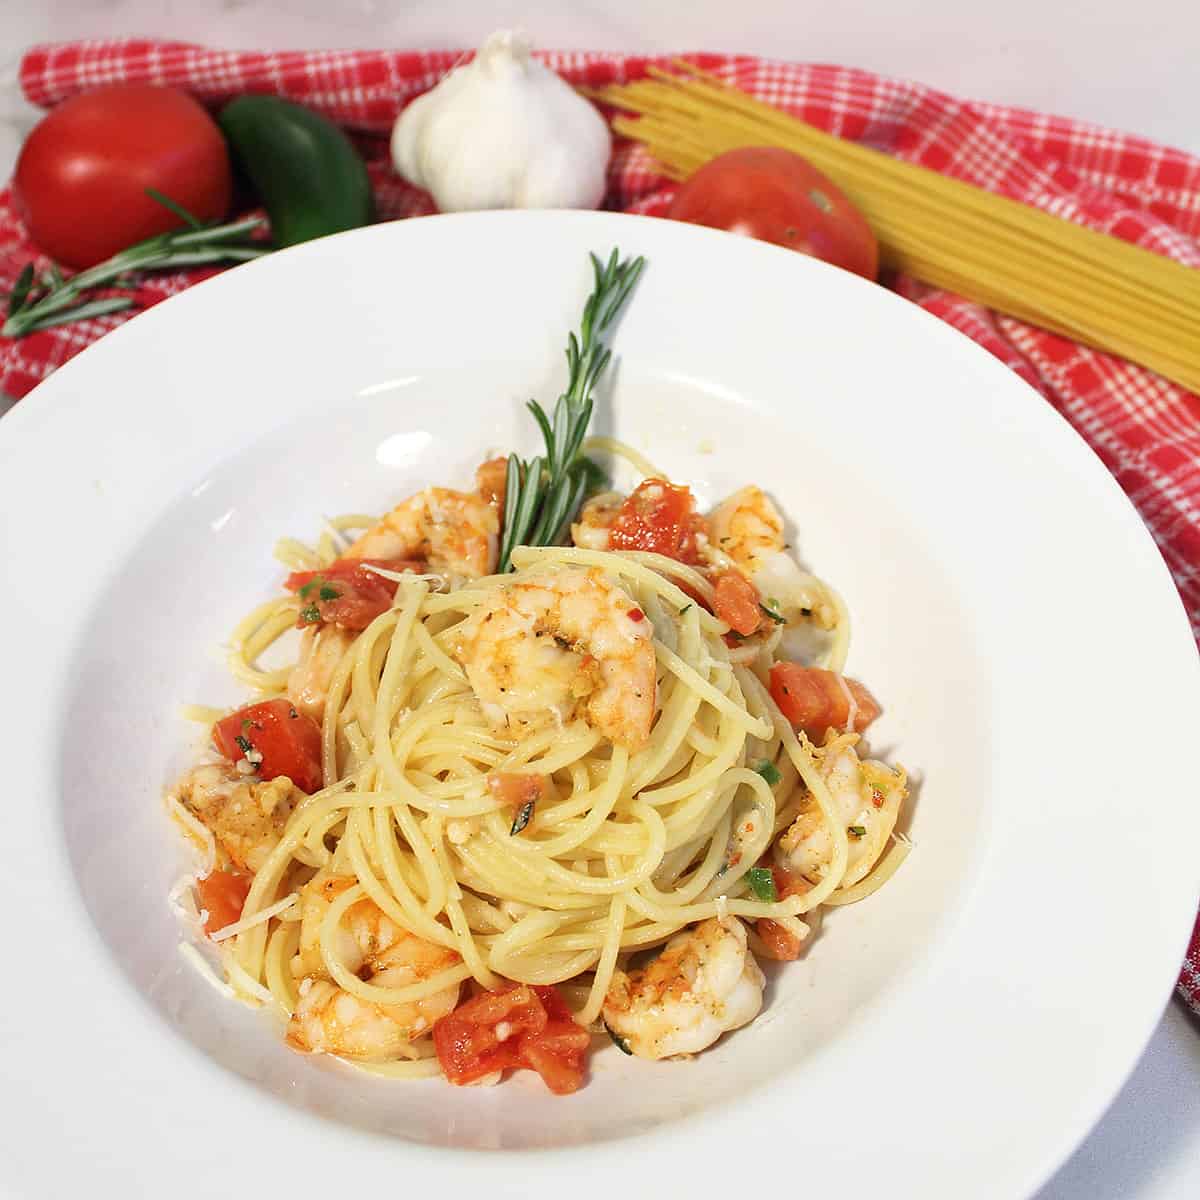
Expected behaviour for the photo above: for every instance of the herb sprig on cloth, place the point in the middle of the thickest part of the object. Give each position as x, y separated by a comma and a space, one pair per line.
41, 301
544, 492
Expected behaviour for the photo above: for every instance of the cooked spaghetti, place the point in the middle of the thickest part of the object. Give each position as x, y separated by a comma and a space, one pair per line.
447, 835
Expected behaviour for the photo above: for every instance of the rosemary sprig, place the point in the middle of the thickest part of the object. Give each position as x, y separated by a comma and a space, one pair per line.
542, 493
53, 300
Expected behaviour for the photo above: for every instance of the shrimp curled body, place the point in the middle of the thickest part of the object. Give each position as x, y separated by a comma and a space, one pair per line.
455, 532
704, 983
370, 945
546, 645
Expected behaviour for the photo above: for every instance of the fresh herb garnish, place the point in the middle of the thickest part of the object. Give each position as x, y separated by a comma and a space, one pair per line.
310, 614
857, 831
769, 771
543, 493
775, 616
53, 300
315, 581
522, 818
244, 744
685, 608
762, 883
328, 593
246, 723
621, 1043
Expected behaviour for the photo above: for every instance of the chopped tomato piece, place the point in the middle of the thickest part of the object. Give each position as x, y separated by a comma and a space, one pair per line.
522, 1026
816, 700
277, 739
346, 593
516, 791
781, 944
736, 602
659, 517
223, 896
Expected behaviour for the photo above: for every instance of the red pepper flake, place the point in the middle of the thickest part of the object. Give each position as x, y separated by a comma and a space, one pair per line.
876, 797
636, 614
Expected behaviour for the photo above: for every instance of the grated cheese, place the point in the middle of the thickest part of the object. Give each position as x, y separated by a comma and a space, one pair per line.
272, 910
203, 968
404, 576
196, 831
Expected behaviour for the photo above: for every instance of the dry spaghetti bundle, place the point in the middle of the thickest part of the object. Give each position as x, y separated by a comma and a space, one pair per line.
1009, 256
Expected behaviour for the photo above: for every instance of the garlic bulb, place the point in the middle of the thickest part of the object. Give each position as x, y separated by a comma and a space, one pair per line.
503, 131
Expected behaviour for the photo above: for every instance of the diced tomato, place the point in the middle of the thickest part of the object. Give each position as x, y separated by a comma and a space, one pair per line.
289, 742
736, 602
346, 593
522, 1026
816, 700
223, 896
659, 517
515, 790
781, 944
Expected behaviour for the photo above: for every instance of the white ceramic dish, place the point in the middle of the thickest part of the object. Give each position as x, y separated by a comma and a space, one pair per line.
955, 1035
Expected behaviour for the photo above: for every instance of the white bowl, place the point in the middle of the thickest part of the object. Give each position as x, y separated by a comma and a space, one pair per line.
954, 1035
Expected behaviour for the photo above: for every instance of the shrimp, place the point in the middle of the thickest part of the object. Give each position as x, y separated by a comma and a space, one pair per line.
246, 816
491, 481
704, 983
591, 531
453, 531
548, 644
867, 797
321, 649
329, 1019
746, 531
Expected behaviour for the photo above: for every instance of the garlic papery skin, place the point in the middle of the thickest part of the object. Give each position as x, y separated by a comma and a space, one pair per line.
503, 131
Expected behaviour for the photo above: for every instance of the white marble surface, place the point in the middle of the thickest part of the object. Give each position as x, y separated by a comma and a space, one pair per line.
1133, 68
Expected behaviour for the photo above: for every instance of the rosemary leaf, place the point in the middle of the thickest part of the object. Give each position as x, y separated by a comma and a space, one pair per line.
174, 206
20, 292
81, 312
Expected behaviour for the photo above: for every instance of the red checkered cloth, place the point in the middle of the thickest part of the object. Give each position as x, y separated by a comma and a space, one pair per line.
1146, 430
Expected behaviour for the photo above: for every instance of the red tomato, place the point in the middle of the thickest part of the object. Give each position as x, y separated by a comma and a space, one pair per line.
515, 790
736, 602
289, 742
817, 700
781, 944
538, 1033
659, 517
772, 194
345, 592
223, 896
81, 179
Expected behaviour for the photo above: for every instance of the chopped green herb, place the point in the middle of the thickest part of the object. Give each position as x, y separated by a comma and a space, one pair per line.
246, 723
857, 831
685, 608
244, 744
621, 1043
310, 615
522, 818
776, 617
328, 593
762, 883
315, 581
769, 771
